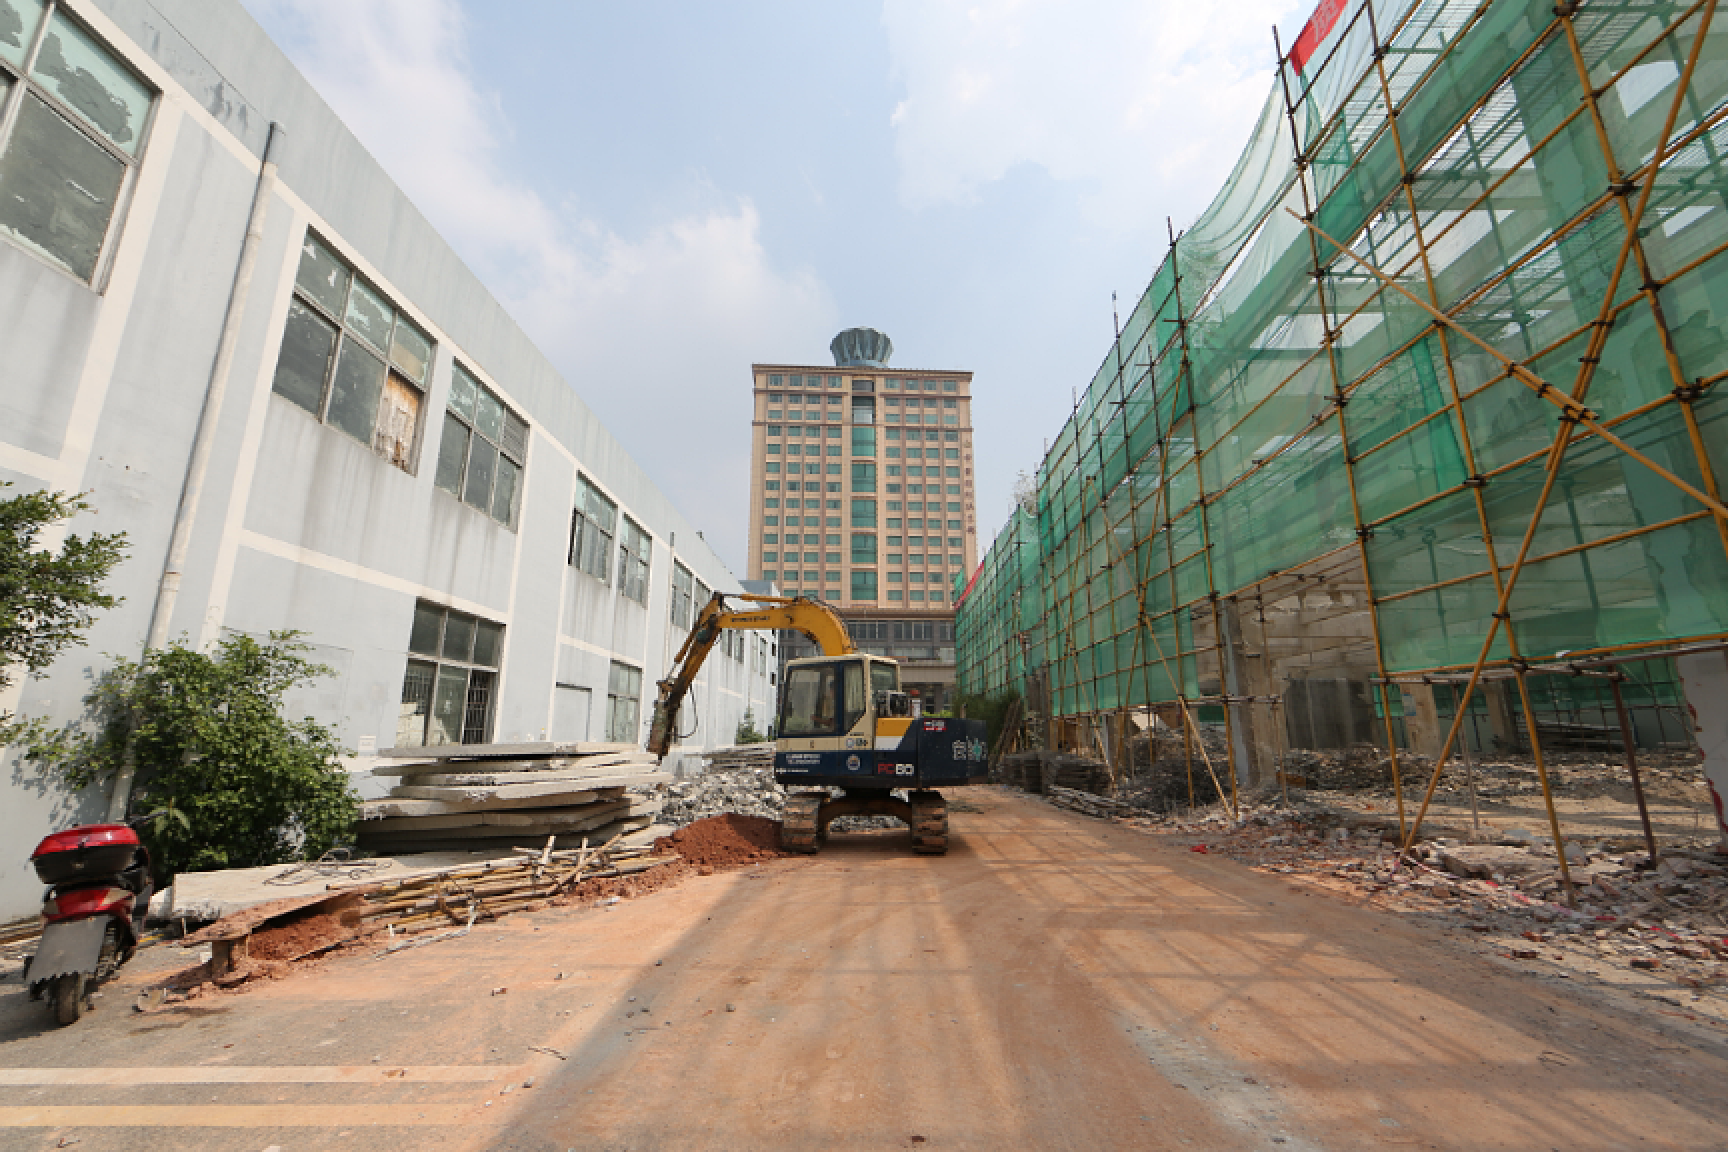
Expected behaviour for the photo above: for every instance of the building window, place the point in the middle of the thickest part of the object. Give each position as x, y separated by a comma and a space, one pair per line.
633, 556
682, 590
484, 450
863, 513
623, 703
77, 117
863, 548
863, 441
864, 584
863, 476
351, 359
452, 676
894, 593
592, 525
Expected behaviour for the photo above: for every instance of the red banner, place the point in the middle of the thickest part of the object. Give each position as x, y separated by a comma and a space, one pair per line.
1314, 33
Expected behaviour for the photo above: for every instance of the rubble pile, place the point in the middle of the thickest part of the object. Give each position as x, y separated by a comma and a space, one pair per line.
1360, 767
1663, 927
1038, 771
740, 781
747, 790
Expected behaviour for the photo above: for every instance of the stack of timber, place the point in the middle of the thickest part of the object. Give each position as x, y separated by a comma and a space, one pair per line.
487, 889
495, 797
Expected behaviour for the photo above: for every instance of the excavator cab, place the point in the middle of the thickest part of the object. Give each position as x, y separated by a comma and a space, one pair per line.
833, 705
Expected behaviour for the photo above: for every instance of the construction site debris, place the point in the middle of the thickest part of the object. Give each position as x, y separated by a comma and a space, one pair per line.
741, 784
499, 796
1040, 770
724, 841
1666, 920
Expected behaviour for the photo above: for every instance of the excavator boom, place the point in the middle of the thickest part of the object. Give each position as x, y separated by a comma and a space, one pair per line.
812, 617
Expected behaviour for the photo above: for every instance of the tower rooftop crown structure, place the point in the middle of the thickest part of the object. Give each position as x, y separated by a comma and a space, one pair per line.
861, 348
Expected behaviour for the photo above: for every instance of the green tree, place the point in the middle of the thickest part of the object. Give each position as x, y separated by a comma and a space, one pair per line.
747, 733
246, 786
47, 598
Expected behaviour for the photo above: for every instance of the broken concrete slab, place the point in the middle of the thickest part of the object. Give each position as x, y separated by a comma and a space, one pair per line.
497, 751
1484, 860
572, 819
609, 767
537, 768
201, 896
552, 793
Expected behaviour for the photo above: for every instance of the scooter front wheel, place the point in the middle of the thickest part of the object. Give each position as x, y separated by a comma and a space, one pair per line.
67, 995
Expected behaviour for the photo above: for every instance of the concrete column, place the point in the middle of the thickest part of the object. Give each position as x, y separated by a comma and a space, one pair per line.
1503, 711
1704, 680
1246, 673
1423, 732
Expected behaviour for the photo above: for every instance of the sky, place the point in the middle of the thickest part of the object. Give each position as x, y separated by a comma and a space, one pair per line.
664, 193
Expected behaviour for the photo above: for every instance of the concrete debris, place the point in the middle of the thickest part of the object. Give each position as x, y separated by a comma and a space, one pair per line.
1660, 931
747, 789
740, 780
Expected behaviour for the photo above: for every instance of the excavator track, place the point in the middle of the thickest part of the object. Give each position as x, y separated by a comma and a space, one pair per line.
798, 832
929, 823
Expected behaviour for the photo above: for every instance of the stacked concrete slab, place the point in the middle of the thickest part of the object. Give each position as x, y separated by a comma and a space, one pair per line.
499, 796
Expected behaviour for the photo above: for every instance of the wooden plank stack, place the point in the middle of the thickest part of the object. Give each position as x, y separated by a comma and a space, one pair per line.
495, 797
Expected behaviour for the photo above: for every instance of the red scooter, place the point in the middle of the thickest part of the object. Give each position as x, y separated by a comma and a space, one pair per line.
99, 890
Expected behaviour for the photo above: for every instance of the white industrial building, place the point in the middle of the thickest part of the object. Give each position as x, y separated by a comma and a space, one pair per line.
223, 321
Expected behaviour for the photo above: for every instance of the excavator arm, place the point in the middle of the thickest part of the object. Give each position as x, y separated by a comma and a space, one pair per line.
811, 617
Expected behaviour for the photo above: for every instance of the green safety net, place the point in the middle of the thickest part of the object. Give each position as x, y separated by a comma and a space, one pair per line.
1271, 402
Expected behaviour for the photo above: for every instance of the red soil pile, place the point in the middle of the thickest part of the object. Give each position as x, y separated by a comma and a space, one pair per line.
295, 938
726, 841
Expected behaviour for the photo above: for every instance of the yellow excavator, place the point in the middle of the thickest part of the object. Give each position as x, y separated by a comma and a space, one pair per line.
843, 723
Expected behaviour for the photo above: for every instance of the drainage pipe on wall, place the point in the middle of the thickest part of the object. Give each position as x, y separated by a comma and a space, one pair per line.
168, 590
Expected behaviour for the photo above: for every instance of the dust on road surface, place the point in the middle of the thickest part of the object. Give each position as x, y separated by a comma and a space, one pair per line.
1054, 982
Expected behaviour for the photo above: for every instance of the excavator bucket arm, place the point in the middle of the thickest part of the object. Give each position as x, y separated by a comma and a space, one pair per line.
812, 617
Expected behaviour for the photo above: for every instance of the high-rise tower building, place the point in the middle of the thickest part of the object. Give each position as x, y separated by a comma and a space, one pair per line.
861, 495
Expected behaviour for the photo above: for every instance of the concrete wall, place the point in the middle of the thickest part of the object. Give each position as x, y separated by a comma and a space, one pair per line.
301, 526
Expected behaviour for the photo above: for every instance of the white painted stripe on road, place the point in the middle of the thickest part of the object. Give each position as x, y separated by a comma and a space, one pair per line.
214, 1116
266, 1074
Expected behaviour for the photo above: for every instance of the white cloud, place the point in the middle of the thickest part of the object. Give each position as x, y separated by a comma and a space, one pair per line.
656, 331
1146, 102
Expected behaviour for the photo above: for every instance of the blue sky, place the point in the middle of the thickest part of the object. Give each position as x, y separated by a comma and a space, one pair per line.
664, 193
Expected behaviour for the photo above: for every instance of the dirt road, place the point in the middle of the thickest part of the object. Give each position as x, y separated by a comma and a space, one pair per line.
1053, 983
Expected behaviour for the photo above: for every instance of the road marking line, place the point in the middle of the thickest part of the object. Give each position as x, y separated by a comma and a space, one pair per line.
213, 1116
265, 1074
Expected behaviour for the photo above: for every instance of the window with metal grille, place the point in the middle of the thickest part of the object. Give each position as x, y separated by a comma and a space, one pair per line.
447, 693
682, 582
634, 549
73, 117
592, 525
484, 451
623, 703
351, 359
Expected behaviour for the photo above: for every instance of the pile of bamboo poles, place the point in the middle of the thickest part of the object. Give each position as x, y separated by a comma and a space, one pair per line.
19, 938
492, 888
